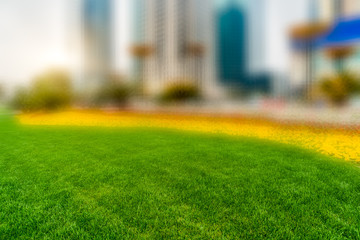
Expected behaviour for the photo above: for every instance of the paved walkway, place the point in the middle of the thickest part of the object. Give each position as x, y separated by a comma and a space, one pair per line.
276, 111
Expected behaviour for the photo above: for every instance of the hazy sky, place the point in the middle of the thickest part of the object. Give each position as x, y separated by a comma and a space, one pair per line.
33, 35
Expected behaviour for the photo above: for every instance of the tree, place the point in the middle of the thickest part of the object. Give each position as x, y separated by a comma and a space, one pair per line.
339, 54
196, 51
2, 92
340, 87
115, 91
180, 90
51, 90
306, 34
142, 52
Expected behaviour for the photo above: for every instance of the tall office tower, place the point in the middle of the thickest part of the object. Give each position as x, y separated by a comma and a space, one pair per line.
181, 36
96, 39
351, 7
330, 10
232, 43
313, 11
258, 35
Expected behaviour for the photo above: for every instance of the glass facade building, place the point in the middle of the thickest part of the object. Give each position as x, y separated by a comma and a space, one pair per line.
97, 25
239, 42
232, 45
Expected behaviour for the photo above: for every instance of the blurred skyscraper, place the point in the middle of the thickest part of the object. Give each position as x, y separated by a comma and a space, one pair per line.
242, 47
179, 38
329, 10
97, 43
232, 45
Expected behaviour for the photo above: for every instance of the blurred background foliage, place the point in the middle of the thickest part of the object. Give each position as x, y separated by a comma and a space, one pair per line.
339, 88
180, 90
49, 91
115, 91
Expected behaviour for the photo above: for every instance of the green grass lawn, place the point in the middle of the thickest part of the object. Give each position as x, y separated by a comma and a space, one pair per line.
92, 183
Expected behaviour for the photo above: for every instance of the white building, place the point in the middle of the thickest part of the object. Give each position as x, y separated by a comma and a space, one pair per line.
181, 34
329, 10
90, 44
269, 23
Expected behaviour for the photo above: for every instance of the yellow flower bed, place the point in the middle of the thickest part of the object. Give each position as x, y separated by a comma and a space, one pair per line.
339, 143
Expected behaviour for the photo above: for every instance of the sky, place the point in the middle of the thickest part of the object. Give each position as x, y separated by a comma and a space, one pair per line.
30, 38
34, 35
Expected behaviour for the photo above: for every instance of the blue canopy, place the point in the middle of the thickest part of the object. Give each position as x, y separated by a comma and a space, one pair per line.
344, 32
